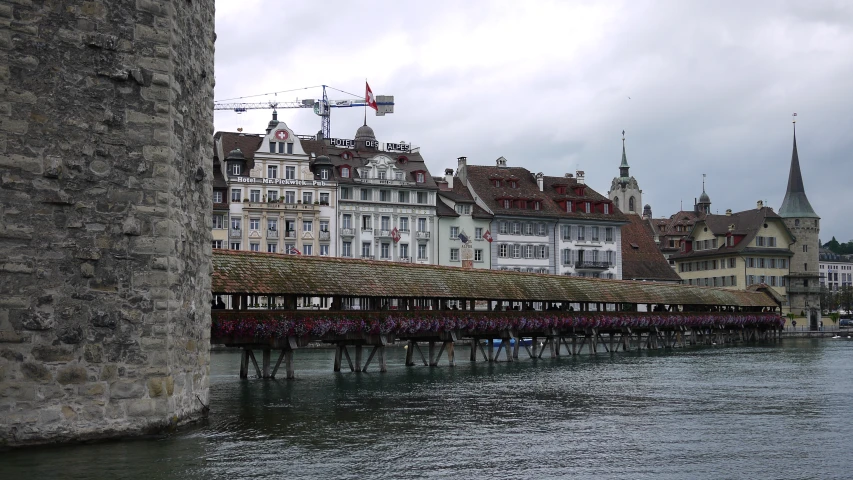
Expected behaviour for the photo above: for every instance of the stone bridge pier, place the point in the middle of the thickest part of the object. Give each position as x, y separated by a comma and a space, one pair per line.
106, 116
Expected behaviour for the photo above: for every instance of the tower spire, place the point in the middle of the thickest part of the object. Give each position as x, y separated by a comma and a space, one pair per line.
795, 203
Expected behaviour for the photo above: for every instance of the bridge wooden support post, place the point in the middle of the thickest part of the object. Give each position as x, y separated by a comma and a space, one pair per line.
244, 363
451, 354
358, 354
432, 360
491, 353
516, 347
611, 350
551, 348
410, 353
534, 343
383, 366
500, 347
338, 355
266, 363
474, 344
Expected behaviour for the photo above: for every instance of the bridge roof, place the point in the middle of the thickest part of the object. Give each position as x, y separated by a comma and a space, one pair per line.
242, 272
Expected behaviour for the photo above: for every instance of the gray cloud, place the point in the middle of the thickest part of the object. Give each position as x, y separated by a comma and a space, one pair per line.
711, 87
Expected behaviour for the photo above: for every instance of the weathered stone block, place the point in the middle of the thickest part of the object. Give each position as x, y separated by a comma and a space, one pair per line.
74, 374
122, 390
50, 353
93, 353
36, 371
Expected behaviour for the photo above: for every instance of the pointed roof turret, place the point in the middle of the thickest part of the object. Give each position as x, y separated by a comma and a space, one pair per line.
796, 204
624, 176
624, 157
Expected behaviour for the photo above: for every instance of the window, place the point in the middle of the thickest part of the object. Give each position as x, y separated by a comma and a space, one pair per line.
307, 226
346, 249
805, 248
219, 221
454, 254
422, 197
398, 175
217, 197
235, 195
384, 195
419, 177
771, 241
235, 245
366, 194
280, 148
454, 232
403, 197
463, 209
528, 229
594, 233
290, 173
344, 172
543, 230
324, 174
528, 251
385, 223
365, 249
503, 250
324, 225
235, 223
345, 193
588, 208
566, 256
290, 225
236, 169
346, 222
307, 197
568, 206
516, 228
496, 183
254, 247
404, 250
289, 197
581, 233
422, 251
507, 204
732, 262
307, 249
383, 174
289, 148
272, 195
478, 255
608, 234
404, 224
516, 251
478, 233
606, 208
324, 198
422, 225
254, 196
504, 228
272, 171
272, 224
217, 244
366, 222
289, 248
385, 250
272, 147
254, 224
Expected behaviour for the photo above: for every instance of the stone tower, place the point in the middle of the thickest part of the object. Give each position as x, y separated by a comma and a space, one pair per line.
624, 190
105, 200
703, 205
803, 287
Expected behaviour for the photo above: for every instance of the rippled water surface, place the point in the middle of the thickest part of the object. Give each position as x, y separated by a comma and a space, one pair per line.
769, 411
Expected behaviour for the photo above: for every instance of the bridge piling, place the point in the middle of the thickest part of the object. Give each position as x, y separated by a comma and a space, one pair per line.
266, 362
358, 354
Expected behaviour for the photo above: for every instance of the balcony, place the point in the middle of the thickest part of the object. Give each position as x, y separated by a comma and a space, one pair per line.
290, 234
325, 235
423, 235
236, 233
272, 234
366, 230
367, 257
384, 233
585, 265
405, 259
347, 232
301, 207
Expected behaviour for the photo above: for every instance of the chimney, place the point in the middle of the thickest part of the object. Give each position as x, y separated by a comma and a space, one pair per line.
448, 176
540, 181
501, 162
732, 227
569, 175
728, 212
580, 176
759, 204
461, 171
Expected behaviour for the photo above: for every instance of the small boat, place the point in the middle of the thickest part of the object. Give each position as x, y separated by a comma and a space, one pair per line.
525, 342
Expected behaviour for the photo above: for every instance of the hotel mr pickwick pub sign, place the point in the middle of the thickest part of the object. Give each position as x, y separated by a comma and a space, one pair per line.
347, 143
281, 181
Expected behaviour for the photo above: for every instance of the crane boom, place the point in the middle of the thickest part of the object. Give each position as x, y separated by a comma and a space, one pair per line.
322, 107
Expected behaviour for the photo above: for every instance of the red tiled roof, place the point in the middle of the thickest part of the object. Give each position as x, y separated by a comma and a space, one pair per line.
643, 262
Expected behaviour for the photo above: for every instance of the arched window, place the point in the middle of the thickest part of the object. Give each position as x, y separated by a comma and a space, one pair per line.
797, 222
616, 201
631, 204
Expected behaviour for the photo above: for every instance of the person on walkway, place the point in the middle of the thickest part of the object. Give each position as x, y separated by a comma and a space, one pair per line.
794, 324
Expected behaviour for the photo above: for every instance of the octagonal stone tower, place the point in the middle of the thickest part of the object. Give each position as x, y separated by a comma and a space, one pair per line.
106, 110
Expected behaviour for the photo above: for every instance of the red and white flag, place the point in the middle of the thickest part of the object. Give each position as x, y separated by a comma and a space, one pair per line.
368, 97
294, 251
488, 236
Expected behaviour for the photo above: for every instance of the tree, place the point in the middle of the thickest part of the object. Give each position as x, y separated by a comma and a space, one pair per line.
846, 297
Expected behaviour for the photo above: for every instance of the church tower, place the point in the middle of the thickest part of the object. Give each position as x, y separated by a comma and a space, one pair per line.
803, 288
624, 190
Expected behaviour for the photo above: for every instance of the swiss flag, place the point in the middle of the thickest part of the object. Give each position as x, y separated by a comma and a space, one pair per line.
488, 236
395, 235
368, 97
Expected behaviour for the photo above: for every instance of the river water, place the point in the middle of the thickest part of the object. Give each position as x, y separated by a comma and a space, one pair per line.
779, 410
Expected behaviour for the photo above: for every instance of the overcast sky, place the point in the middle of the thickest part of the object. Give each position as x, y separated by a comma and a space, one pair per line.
699, 87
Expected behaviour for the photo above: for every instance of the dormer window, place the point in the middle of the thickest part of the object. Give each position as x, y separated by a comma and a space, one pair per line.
507, 204
568, 206
398, 175
561, 190
383, 174
344, 172
512, 184
419, 177
496, 183
587, 207
606, 208
536, 206
236, 169
346, 155
324, 174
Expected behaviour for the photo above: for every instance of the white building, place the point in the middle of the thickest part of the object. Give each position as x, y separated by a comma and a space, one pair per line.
462, 225
836, 271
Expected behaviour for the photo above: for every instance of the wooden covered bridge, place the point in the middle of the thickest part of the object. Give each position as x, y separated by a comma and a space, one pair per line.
280, 302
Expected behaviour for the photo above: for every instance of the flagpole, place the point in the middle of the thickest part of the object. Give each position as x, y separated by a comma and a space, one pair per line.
365, 100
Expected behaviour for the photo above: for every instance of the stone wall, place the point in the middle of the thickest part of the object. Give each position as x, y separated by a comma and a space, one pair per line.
106, 116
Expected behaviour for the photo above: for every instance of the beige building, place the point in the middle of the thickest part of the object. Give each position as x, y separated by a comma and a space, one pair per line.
737, 250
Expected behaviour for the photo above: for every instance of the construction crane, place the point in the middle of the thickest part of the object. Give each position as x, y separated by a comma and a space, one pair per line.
322, 107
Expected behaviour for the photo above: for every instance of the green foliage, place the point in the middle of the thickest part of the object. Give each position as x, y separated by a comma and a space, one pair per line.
840, 248
834, 317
